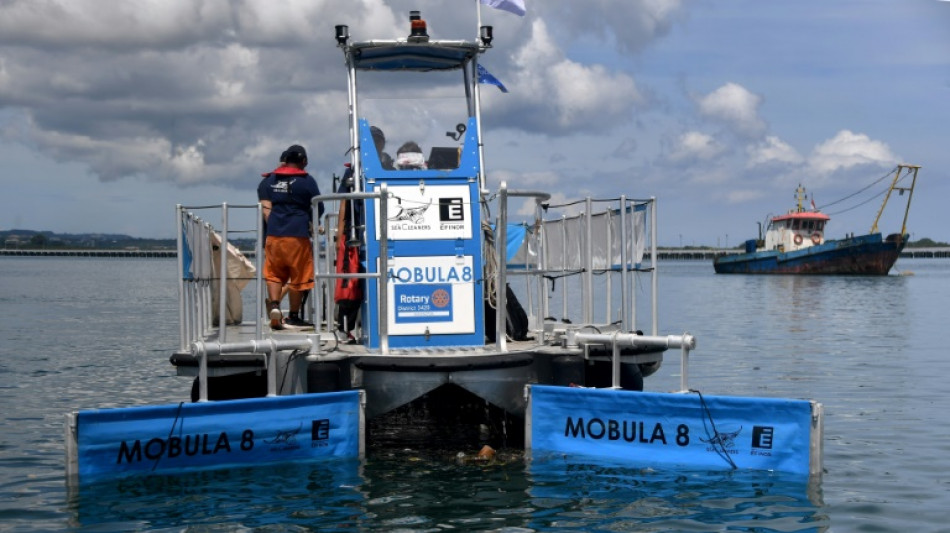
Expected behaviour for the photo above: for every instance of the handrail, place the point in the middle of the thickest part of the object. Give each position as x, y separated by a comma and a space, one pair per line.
616, 340
382, 273
501, 285
201, 350
195, 287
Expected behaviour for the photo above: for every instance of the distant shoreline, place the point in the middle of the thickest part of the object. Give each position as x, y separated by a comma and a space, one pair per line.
673, 254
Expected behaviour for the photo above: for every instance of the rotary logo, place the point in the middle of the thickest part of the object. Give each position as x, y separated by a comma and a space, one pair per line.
440, 298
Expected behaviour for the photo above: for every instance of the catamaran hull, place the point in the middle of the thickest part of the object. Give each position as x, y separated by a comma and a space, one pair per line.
865, 255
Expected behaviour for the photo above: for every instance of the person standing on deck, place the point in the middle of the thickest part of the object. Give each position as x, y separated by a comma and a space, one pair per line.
285, 196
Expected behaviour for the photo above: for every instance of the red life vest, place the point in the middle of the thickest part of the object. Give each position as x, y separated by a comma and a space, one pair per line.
347, 262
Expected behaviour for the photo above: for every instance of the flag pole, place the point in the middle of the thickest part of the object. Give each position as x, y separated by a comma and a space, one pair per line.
477, 97
478, 19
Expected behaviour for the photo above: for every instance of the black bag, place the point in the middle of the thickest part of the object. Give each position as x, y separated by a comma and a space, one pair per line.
517, 324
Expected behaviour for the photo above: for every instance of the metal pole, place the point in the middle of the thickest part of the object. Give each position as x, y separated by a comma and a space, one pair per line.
684, 367
653, 263
609, 263
910, 197
383, 279
615, 362
478, 134
202, 373
259, 276
501, 294
624, 271
223, 277
588, 264
272, 370
181, 279
564, 268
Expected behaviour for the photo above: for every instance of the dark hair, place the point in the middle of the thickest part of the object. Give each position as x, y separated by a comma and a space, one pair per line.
378, 136
409, 147
295, 154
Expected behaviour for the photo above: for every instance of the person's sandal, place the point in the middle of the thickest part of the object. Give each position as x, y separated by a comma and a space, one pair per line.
276, 318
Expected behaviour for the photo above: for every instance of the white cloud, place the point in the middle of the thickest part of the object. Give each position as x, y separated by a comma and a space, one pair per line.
772, 150
848, 149
630, 24
553, 94
735, 106
694, 146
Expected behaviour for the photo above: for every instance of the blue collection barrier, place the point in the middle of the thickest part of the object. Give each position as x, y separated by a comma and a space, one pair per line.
111, 443
676, 429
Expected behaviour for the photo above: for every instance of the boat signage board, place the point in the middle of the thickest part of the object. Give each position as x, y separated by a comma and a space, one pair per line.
122, 442
428, 212
431, 293
676, 429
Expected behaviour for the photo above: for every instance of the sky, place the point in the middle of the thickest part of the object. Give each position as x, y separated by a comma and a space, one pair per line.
113, 112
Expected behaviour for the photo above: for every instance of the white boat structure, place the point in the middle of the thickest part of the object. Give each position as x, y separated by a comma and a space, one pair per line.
435, 284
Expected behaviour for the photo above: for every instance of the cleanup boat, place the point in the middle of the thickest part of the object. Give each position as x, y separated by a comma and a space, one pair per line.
513, 333
795, 243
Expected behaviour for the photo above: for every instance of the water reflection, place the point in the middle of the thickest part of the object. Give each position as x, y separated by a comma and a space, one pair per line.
317, 495
589, 495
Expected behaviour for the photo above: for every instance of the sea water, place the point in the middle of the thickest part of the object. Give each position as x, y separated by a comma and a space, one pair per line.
79, 333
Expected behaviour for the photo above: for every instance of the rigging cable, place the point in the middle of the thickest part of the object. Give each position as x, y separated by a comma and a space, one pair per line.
875, 182
715, 438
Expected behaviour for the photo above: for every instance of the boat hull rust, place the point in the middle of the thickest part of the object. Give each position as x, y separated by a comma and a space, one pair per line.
865, 255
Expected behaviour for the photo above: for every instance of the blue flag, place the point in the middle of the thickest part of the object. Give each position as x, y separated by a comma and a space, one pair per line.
511, 6
486, 77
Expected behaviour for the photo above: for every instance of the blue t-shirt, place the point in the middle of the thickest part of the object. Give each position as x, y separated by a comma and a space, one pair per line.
290, 191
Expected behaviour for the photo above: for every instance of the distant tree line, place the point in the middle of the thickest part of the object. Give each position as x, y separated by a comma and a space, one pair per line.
30, 239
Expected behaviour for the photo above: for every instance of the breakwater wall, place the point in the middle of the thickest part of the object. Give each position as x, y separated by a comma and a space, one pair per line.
672, 254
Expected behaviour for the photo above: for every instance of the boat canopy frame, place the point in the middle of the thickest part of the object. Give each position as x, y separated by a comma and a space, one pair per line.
401, 55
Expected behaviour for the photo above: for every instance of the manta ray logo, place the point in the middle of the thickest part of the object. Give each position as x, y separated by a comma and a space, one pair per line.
287, 437
412, 214
726, 440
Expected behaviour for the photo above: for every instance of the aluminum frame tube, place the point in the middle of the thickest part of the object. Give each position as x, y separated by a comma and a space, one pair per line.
182, 344
588, 263
653, 264
501, 272
223, 277
625, 316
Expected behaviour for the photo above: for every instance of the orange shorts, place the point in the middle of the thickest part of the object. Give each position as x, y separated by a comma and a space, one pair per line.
289, 260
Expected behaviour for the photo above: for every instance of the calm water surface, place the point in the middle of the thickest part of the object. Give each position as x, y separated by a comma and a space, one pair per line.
91, 333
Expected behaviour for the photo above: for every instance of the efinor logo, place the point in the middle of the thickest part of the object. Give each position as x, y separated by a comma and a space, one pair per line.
320, 429
451, 210
762, 437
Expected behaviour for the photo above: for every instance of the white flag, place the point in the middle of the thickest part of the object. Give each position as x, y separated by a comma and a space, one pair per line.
511, 6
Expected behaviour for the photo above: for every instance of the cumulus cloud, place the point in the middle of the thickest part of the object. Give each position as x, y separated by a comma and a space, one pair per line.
848, 149
735, 106
772, 150
174, 90
694, 146
576, 97
630, 24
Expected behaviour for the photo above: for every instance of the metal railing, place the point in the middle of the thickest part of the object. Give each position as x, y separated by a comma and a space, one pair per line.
203, 277
325, 274
577, 247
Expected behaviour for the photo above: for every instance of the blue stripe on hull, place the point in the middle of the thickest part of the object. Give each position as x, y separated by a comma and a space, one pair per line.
863, 255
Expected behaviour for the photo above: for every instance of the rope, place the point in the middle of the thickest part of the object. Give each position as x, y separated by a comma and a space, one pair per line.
171, 432
491, 263
715, 439
875, 182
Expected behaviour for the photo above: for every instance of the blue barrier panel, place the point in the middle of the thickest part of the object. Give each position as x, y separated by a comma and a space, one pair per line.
676, 429
189, 436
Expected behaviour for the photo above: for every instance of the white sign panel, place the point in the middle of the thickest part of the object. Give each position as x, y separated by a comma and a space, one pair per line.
434, 293
428, 213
